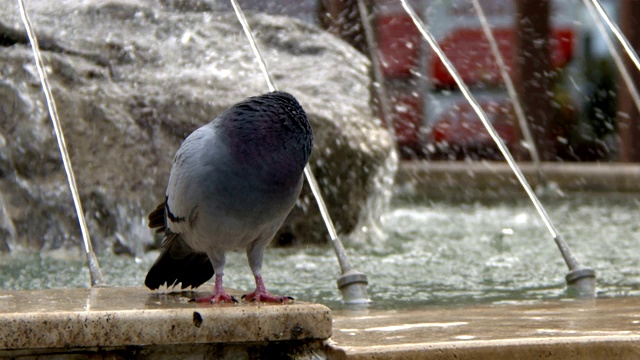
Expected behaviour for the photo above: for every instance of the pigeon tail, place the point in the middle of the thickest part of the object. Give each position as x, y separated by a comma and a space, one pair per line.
178, 263
157, 218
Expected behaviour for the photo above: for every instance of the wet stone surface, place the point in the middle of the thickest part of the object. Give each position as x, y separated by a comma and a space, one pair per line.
566, 329
121, 317
136, 323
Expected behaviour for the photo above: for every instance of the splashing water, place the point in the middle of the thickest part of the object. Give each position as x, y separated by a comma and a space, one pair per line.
435, 254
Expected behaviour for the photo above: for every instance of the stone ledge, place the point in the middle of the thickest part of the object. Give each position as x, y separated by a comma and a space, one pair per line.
120, 317
577, 348
607, 328
486, 178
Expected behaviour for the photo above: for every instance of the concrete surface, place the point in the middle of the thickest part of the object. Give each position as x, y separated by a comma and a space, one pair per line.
563, 329
135, 322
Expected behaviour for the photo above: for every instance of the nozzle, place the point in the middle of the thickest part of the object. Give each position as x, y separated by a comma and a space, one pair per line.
353, 286
581, 282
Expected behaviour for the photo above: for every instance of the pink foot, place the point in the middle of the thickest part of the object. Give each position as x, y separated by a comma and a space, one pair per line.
216, 298
219, 295
266, 297
261, 294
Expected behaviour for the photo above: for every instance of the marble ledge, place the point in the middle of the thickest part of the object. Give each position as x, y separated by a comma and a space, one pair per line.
117, 317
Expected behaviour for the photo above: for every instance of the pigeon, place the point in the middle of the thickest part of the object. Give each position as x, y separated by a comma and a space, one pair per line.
232, 184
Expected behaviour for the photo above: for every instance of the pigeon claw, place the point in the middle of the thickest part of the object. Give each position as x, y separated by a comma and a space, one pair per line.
216, 298
257, 296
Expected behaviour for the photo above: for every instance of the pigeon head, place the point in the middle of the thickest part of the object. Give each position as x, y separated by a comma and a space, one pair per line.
269, 132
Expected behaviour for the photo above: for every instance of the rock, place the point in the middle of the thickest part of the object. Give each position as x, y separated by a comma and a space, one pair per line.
131, 80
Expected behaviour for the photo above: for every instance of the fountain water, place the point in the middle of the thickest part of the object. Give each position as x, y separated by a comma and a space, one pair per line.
595, 5
511, 90
94, 267
378, 85
406, 256
358, 264
352, 283
615, 54
580, 279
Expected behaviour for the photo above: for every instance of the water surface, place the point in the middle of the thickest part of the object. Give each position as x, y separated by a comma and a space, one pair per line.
438, 253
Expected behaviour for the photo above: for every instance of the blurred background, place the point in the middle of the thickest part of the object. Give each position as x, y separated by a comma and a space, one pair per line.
576, 104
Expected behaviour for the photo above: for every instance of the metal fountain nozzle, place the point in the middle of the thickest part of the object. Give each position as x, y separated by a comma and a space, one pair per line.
581, 282
353, 286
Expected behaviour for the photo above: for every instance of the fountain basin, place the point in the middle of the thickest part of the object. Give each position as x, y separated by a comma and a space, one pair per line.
134, 322
448, 282
560, 329
489, 179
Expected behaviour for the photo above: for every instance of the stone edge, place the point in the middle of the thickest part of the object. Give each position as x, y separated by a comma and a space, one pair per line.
586, 347
438, 177
81, 329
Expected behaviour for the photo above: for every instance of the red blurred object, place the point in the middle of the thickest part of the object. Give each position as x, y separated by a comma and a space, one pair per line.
399, 42
464, 43
460, 126
470, 53
406, 120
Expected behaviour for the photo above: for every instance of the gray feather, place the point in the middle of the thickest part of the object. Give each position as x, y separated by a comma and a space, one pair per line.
232, 184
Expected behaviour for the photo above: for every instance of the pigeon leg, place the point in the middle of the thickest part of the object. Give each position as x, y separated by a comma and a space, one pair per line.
255, 251
219, 295
261, 294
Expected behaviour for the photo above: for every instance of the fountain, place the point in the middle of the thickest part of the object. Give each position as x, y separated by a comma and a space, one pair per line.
453, 278
92, 260
580, 279
511, 90
595, 5
596, 14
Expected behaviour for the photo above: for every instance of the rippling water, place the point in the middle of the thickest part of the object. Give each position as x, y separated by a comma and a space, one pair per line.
436, 253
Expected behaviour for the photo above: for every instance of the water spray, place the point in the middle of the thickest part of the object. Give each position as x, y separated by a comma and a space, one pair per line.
352, 283
595, 4
94, 267
580, 279
511, 90
379, 86
615, 54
